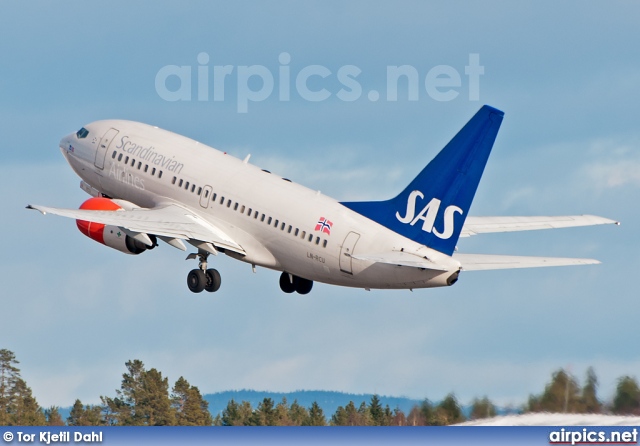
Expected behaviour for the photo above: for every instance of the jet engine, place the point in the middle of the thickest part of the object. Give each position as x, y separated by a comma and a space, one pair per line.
111, 236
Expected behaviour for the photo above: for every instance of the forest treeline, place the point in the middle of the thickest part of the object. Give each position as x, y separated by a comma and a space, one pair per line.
145, 399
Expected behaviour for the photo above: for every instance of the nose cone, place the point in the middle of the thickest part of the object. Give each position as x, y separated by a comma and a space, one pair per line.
66, 144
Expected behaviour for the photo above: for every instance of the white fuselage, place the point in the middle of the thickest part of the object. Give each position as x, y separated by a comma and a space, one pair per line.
273, 219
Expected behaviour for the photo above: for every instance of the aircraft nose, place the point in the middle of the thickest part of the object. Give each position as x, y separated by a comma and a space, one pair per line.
66, 144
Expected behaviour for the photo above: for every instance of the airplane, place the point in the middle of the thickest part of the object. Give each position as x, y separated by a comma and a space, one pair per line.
148, 185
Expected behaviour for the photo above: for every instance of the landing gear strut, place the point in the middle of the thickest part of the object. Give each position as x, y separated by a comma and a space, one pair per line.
202, 278
290, 283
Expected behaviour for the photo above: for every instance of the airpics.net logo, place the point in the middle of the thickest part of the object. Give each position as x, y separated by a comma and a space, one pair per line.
313, 83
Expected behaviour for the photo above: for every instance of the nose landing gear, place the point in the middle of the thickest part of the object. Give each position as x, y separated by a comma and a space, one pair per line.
290, 283
202, 278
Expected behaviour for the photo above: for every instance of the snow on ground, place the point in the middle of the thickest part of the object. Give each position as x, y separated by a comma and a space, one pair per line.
555, 419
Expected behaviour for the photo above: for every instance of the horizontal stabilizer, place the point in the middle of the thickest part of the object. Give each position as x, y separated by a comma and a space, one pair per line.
484, 225
400, 258
170, 222
481, 262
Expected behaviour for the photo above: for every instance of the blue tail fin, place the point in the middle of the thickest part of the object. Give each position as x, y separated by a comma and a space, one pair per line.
433, 208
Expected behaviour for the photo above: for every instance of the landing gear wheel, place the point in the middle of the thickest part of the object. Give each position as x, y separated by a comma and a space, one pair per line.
213, 280
285, 283
196, 280
303, 286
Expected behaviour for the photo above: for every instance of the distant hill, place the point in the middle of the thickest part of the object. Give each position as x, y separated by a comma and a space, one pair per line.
329, 401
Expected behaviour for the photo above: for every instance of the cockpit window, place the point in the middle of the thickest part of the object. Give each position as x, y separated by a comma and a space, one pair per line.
82, 133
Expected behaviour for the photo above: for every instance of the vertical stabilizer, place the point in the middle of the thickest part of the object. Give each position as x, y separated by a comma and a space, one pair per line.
433, 208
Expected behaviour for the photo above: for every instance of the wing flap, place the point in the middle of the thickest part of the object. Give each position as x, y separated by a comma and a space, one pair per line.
483, 225
171, 221
481, 262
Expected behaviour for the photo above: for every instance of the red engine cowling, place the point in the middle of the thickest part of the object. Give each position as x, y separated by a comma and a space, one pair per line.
108, 235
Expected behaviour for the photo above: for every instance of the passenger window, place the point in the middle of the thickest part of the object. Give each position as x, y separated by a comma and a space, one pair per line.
229, 203
275, 224
282, 227
193, 188
235, 208
199, 191
256, 214
114, 154
180, 183
174, 180
206, 194
120, 157
242, 209
221, 200
153, 172
139, 165
186, 185
249, 212
290, 228
310, 237
126, 160
269, 221
317, 240
324, 244
133, 162
303, 235
296, 233
146, 167
262, 218
160, 174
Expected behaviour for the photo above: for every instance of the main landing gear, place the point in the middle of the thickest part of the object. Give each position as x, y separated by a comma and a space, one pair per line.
290, 283
202, 278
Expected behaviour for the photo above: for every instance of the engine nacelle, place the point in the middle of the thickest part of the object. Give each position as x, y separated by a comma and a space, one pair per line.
111, 236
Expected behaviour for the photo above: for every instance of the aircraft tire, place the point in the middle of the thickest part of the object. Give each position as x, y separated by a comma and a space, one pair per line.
286, 285
196, 280
213, 280
303, 286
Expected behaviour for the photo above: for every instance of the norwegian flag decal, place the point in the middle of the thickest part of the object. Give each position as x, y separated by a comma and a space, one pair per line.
324, 226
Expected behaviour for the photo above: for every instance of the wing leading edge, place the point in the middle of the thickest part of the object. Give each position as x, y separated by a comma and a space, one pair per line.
171, 221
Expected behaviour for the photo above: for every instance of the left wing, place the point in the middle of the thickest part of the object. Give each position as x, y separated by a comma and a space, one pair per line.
482, 225
170, 221
480, 262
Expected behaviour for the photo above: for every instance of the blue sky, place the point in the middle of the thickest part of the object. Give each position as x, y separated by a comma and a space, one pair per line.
566, 76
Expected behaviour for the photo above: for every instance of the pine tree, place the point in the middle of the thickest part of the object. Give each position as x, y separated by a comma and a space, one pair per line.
53, 417
316, 416
264, 415
627, 398
482, 408
428, 413
9, 375
25, 410
84, 416
448, 412
590, 400
282, 413
562, 394
231, 414
189, 406
376, 412
297, 414
143, 399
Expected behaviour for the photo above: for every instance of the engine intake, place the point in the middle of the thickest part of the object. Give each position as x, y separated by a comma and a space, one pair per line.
108, 235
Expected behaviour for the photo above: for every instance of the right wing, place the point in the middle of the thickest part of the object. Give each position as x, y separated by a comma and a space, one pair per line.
170, 221
479, 262
482, 225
